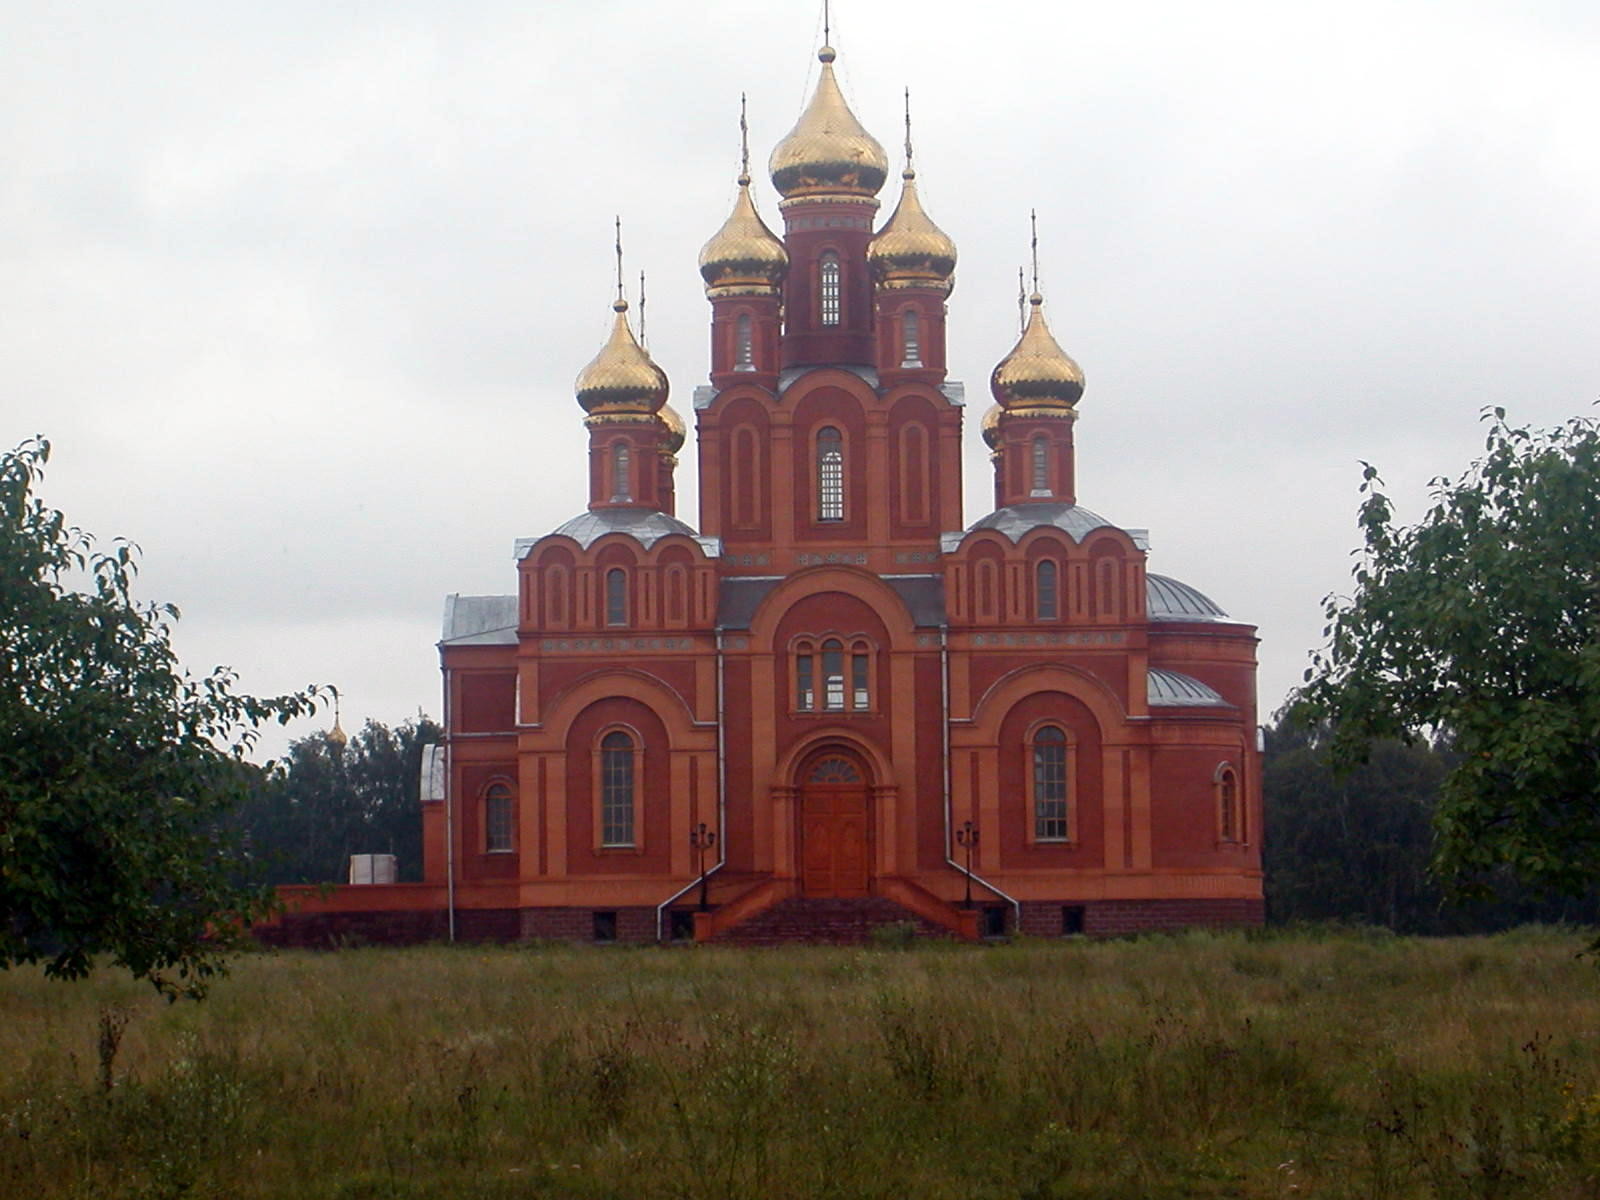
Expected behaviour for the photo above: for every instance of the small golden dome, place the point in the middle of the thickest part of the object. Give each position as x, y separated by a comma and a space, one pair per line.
1038, 373
621, 378
828, 152
744, 257
910, 250
991, 426
675, 429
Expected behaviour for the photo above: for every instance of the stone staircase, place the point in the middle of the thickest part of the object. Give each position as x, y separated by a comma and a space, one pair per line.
827, 921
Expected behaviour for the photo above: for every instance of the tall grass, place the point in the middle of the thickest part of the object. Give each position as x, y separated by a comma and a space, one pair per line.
1195, 1065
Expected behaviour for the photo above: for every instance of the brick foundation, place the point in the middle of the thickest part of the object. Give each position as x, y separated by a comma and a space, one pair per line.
1108, 918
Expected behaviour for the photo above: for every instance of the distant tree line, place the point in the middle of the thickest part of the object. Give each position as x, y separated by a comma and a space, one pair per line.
1357, 846
326, 800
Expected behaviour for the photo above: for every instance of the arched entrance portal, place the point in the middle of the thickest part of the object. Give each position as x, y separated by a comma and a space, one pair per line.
835, 848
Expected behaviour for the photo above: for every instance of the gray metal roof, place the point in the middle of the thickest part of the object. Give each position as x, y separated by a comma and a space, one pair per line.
738, 599
480, 620
1018, 519
647, 526
1168, 689
1168, 599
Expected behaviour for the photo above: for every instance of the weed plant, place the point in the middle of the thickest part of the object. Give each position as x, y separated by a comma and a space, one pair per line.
1199, 1065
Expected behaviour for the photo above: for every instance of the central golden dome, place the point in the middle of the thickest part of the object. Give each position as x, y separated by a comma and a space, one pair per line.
744, 257
828, 153
1038, 374
622, 378
910, 250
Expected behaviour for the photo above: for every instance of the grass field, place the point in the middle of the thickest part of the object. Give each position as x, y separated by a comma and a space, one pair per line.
1195, 1065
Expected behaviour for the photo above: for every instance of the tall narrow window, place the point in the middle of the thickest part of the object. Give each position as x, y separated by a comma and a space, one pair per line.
860, 680
555, 597
616, 789
616, 596
805, 692
743, 344
1049, 785
676, 589
1227, 782
497, 819
621, 472
830, 475
828, 274
910, 339
1041, 467
833, 674
1044, 591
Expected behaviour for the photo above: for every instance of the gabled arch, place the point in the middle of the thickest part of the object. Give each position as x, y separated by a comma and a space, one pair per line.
878, 762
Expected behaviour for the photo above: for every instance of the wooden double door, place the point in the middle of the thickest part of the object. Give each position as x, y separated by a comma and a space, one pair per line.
835, 829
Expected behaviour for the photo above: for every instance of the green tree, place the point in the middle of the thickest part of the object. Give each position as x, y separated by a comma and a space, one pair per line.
1481, 625
117, 767
323, 802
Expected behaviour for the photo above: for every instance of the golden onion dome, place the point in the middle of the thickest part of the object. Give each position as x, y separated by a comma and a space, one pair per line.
744, 257
676, 433
910, 250
1038, 373
828, 152
991, 426
622, 378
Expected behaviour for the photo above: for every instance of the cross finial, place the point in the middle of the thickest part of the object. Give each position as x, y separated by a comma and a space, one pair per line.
908, 129
1033, 222
1022, 303
619, 258
744, 145
827, 25
642, 342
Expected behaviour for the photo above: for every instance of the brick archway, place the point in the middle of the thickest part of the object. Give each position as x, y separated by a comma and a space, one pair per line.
835, 818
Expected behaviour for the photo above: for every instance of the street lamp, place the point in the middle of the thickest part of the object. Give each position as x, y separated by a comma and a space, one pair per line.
967, 838
702, 839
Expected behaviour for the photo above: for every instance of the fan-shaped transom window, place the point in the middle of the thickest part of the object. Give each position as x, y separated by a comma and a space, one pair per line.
835, 770
617, 788
828, 274
830, 474
1050, 799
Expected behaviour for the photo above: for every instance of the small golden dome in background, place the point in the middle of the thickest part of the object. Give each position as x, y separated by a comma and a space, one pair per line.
676, 433
991, 426
910, 250
828, 152
744, 257
621, 378
1038, 374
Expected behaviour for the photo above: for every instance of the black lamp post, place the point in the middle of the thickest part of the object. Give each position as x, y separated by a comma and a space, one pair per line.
702, 839
967, 837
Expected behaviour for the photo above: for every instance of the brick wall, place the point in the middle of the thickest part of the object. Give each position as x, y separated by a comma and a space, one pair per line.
578, 924
1108, 918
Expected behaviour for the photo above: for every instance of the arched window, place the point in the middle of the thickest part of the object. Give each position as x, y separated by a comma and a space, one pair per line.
555, 597
617, 789
621, 472
1041, 467
1050, 816
860, 677
805, 677
1046, 605
829, 289
833, 675
830, 475
986, 590
910, 339
616, 596
1230, 827
743, 344
1109, 600
497, 819
677, 590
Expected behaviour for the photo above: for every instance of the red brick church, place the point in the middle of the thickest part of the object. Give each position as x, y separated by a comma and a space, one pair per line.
832, 702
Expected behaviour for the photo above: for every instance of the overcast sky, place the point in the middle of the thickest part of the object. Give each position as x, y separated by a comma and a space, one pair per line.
298, 290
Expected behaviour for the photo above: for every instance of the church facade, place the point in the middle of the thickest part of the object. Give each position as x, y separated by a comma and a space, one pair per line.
832, 695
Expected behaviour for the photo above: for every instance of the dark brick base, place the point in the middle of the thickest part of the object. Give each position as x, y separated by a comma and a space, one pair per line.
330, 931
1108, 918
